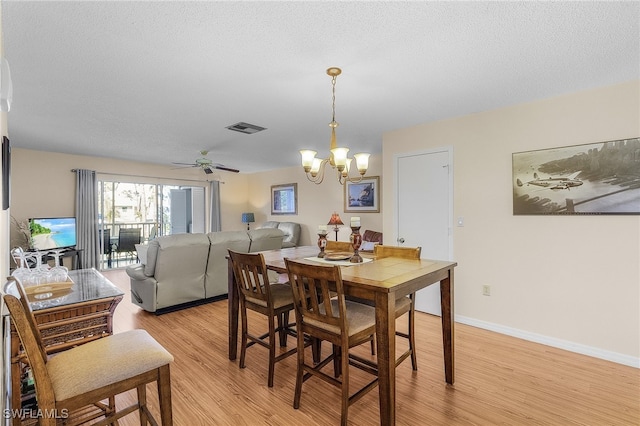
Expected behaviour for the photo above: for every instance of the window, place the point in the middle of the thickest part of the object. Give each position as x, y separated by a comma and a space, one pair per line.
132, 205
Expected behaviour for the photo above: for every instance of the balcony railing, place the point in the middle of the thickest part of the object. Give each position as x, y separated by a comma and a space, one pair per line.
116, 256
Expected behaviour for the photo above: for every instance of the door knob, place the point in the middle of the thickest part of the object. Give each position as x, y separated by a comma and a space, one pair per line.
400, 240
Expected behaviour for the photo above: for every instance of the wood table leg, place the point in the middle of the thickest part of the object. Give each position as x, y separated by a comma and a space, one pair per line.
446, 304
386, 345
164, 396
233, 310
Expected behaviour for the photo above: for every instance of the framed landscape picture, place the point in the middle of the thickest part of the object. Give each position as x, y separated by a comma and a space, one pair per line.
362, 196
284, 199
593, 179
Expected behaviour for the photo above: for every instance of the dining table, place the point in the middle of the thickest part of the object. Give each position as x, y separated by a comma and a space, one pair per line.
382, 281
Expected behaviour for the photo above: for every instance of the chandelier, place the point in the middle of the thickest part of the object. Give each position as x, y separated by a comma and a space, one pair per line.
314, 167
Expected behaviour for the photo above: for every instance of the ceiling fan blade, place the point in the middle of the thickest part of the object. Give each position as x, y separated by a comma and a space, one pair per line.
207, 165
228, 169
183, 167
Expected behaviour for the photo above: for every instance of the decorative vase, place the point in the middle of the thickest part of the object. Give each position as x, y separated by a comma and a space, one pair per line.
322, 243
356, 242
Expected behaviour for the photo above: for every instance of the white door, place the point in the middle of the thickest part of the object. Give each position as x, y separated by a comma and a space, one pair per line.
425, 211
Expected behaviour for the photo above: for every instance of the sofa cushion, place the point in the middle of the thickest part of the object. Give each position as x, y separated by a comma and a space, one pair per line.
152, 255
170, 242
368, 246
216, 277
265, 239
270, 224
229, 237
291, 233
141, 250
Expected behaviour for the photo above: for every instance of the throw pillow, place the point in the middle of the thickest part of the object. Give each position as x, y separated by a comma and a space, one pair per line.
367, 246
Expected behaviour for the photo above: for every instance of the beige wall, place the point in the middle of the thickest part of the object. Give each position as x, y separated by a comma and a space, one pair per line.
570, 281
316, 203
43, 185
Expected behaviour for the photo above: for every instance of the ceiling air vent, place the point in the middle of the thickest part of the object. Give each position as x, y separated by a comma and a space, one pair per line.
246, 128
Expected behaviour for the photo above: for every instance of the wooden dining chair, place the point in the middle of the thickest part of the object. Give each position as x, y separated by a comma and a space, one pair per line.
24, 301
343, 323
347, 247
405, 304
88, 374
343, 246
273, 300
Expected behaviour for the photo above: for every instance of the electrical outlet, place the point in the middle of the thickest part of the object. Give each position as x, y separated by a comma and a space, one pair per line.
486, 290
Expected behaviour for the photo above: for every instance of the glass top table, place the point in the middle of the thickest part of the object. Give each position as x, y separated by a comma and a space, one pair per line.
88, 285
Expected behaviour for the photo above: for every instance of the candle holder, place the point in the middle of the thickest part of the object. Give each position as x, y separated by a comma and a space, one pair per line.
322, 243
356, 242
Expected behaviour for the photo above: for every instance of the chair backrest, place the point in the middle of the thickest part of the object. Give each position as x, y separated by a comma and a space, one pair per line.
251, 276
373, 236
105, 236
24, 301
339, 246
381, 251
313, 285
24, 324
128, 238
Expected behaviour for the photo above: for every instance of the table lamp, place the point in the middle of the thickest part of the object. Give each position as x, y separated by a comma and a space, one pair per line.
248, 218
335, 221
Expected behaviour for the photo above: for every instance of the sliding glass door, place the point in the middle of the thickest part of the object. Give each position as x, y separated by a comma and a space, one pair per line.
134, 213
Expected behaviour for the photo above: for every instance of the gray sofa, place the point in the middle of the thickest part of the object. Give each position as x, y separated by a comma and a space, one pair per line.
190, 268
291, 231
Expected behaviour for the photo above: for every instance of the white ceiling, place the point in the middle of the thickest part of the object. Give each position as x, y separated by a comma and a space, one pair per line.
159, 81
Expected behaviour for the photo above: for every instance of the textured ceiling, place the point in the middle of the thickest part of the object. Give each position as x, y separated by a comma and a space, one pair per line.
160, 81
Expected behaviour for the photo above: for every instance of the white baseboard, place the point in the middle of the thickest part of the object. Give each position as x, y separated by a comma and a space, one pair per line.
552, 341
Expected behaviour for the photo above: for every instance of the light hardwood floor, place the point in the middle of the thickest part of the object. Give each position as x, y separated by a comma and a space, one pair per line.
499, 379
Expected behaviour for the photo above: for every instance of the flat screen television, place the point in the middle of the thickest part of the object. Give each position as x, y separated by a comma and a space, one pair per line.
52, 233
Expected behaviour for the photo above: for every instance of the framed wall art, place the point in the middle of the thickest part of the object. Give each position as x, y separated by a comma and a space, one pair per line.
593, 179
362, 196
284, 199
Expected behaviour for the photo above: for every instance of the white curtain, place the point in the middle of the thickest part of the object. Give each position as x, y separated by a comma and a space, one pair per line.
87, 218
214, 190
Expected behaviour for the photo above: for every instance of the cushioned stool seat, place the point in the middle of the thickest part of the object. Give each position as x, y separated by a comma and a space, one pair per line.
104, 362
86, 375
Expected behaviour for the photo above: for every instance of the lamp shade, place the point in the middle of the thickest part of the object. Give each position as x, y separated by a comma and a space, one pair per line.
335, 219
248, 218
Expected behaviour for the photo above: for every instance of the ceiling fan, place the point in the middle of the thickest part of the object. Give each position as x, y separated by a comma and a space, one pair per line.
207, 164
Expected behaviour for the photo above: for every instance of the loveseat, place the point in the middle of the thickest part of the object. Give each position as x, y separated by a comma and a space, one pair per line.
291, 231
185, 269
